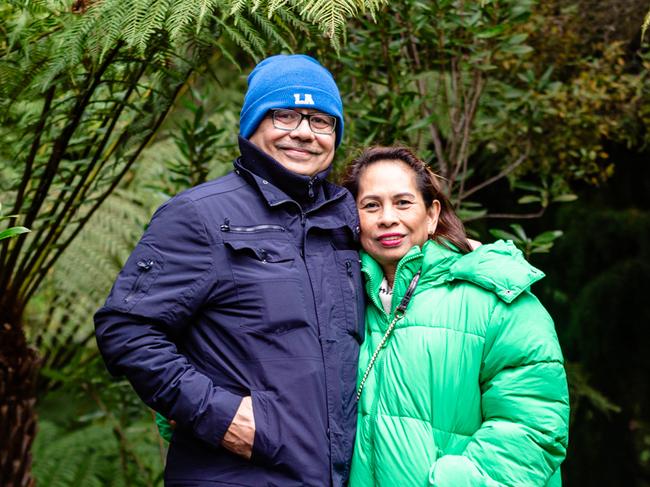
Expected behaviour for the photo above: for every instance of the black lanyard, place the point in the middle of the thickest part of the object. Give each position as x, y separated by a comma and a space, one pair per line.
400, 311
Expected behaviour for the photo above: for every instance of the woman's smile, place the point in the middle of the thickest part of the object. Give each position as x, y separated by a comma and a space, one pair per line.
391, 240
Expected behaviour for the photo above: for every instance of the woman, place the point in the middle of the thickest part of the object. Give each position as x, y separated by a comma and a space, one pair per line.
464, 384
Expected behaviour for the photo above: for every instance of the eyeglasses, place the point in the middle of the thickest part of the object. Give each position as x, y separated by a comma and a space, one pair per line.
287, 119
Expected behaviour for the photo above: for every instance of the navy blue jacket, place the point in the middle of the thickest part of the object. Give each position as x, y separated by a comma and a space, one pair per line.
246, 285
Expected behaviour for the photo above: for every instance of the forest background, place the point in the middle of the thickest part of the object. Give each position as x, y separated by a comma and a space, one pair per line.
537, 115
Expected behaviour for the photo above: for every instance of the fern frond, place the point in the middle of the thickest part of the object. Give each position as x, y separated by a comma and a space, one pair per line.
228, 55
288, 18
69, 48
645, 26
181, 15
132, 28
235, 7
239, 39
270, 30
330, 16
206, 7
248, 30
153, 21
274, 5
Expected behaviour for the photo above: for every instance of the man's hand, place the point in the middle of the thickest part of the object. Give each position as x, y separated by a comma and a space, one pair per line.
475, 244
241, 433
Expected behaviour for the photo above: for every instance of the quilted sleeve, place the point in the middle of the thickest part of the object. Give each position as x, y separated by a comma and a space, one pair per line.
524, 401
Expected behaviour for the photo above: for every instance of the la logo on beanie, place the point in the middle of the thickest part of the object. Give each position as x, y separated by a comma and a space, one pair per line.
307, 100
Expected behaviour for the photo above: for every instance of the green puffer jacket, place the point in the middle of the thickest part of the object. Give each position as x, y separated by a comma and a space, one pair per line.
470, 389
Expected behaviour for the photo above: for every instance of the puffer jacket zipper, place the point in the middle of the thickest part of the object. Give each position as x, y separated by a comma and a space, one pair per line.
379, 367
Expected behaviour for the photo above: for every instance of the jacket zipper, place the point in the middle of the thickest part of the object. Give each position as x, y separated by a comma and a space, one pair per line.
227, 227
348, 270
379, 367
310, 188
144, 266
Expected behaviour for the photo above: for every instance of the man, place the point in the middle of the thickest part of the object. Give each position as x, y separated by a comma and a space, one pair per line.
240, 312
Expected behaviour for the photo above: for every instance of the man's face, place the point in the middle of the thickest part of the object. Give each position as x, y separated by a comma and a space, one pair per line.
300, 150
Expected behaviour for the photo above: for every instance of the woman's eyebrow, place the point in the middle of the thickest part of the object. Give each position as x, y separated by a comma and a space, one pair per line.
376, 197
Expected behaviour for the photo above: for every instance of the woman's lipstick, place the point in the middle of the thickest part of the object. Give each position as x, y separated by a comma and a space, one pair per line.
390, 239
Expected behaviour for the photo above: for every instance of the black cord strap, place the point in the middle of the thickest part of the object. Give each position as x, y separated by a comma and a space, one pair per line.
400, 311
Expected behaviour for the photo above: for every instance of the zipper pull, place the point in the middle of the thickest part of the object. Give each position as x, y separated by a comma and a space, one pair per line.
225, 227
144, 265
310, 186
348, 268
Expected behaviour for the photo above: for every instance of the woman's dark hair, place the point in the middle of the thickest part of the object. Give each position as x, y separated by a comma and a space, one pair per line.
450, 229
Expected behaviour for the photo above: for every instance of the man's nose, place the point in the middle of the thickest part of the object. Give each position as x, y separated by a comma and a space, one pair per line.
302, 131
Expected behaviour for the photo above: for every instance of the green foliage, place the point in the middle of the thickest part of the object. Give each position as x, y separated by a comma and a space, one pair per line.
581, 392
200, 143
12, 231
542, 243
86, 89
88, 456
59, 318
437, 76
93, 136
95, 431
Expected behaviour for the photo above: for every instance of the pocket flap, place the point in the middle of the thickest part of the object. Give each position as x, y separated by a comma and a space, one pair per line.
270, 251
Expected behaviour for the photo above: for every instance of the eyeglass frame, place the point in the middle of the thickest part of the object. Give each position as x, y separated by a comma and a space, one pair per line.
308, 116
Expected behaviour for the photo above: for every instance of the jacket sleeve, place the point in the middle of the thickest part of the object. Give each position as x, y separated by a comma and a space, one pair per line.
524, 401
162, 285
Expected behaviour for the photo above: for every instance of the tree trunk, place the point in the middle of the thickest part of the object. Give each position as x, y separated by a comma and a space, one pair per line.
19, 366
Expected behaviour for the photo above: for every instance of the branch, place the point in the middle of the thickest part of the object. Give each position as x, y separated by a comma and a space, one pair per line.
35, 282
467, 121
49, 174
510, 216
495, 178
68, 212
435, 134
7, 267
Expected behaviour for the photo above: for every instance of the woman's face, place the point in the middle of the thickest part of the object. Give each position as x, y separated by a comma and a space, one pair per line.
392, 212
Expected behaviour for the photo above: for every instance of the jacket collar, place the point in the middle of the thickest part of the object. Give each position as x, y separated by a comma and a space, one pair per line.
433, 259
276, 183
499, 268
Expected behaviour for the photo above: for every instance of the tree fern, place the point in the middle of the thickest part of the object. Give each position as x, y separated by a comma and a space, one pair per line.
89, 455
239, 39
236, 7
247, 29
270, 30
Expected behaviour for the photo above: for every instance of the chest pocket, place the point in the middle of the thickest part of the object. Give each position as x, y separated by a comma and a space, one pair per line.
268, 281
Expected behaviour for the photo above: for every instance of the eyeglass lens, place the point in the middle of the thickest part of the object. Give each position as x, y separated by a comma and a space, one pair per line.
320, 123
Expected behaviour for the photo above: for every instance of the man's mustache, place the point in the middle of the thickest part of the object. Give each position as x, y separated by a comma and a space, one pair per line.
298, 146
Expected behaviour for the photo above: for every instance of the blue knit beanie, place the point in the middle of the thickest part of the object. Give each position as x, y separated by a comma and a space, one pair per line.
295, 81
